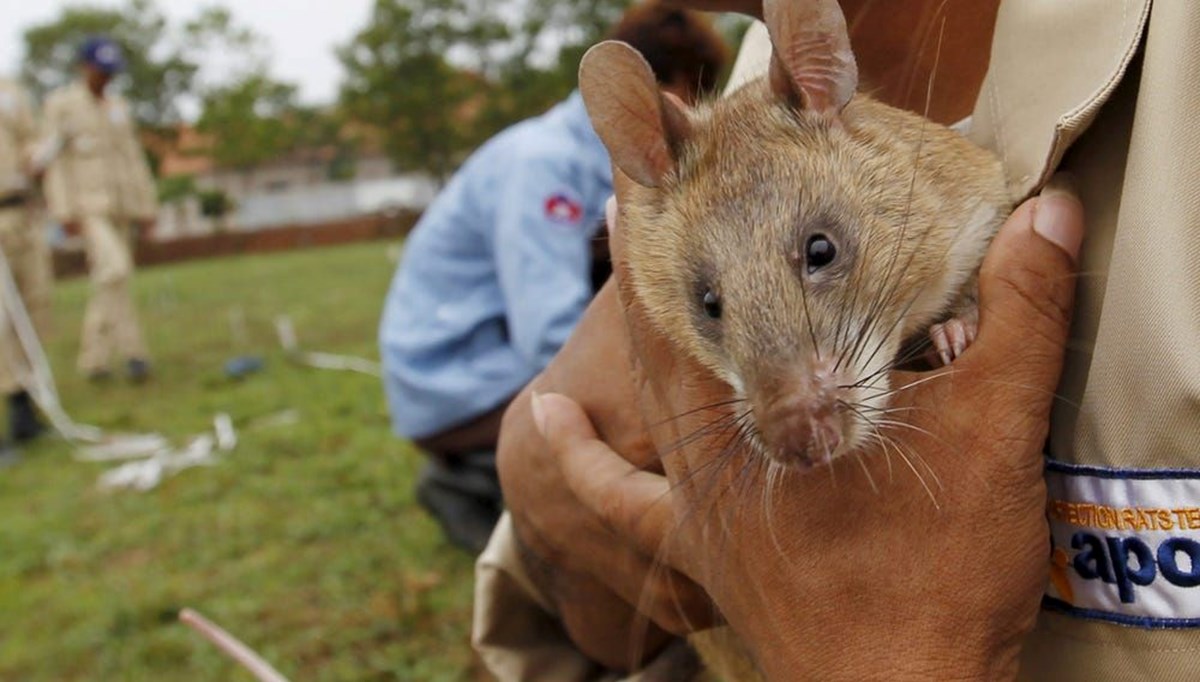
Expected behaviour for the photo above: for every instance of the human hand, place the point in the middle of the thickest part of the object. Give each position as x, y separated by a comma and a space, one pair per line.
596, 580
931, 570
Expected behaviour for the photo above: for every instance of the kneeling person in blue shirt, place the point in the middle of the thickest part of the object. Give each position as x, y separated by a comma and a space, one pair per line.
498, 271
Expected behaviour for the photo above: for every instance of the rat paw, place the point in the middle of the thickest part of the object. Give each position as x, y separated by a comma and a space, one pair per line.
952, 337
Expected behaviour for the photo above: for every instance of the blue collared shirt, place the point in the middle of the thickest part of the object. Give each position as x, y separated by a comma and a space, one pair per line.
496, 274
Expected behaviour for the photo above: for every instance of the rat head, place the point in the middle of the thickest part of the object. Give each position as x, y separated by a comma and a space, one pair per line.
786, 236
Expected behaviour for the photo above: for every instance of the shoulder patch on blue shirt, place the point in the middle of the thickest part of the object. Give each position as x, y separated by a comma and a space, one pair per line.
560, 207
1125, 544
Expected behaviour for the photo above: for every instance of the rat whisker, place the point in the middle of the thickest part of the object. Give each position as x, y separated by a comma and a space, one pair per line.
887, 456
812, 334
921, 479
959, 232
841, 337
1037, 389
944, 372
913, 353
912, 427
703, 408
775, 472
870, 479
921, 460
716, 425
733, 429
912, 384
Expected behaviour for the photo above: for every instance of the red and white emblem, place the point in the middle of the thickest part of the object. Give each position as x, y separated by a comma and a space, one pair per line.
563, 209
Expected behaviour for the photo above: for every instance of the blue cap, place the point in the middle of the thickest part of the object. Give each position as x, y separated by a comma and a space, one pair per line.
102, 53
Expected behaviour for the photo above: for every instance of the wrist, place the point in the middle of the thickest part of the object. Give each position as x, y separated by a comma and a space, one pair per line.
829, 647
909, 665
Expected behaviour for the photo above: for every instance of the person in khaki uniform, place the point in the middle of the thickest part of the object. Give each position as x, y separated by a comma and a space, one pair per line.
100, 185
1107, 89
25, 249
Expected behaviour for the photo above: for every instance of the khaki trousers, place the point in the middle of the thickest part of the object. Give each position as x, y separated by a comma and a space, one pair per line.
110, 325
28, 257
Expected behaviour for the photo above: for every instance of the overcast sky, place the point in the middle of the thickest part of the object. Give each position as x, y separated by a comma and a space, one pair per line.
301, 33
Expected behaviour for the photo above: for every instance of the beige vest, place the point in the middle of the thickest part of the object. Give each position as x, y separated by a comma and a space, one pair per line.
100, 169
1111, 88
17, 136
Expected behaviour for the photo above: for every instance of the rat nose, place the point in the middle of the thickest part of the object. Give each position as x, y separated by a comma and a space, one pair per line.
800, 431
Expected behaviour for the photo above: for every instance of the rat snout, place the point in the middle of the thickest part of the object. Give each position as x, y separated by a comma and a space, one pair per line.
797, 435
800, 422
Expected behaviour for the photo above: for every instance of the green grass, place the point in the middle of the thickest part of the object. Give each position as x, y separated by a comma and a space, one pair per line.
305, 541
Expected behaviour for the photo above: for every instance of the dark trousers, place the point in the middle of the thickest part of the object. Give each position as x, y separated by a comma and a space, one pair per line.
459, 485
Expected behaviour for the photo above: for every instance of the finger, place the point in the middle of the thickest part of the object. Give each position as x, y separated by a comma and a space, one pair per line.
610, 215
1027, 288
633, 504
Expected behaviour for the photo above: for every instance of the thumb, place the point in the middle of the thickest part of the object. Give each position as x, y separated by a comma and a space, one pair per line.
1027, 289
632, 503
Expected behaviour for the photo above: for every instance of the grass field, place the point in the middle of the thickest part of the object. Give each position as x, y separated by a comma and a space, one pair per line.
305, 541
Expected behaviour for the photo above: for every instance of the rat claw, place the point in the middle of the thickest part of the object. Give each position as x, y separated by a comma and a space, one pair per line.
952, 338
958, 336
941, 342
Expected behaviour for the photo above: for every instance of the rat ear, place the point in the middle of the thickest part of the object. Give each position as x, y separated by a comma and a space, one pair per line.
812, 67
642, 128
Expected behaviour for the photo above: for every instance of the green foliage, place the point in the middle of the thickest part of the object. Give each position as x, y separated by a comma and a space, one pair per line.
305, 541
163, 60
214, 203
398, 79
438, 77
247, 122
175, 188
157, 73
549, 42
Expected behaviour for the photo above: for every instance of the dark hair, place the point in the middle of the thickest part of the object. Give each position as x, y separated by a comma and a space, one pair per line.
680, 45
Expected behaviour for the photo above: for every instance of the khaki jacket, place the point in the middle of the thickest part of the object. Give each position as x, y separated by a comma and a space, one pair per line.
100, 169
1110, 90
18, 134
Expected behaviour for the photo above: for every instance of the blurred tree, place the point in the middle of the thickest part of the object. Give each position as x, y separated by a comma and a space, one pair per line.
438, 77
325, 129
163, 61
398, 78
217, 205
175, 188
549, 42
249, 122
157, 74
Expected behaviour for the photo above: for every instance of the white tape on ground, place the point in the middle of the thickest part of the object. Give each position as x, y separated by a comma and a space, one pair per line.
157, 459
287, 338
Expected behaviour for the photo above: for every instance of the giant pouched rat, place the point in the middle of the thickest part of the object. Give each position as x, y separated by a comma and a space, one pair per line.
792, 236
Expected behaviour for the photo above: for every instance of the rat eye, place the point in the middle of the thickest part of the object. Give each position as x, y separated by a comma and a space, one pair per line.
712, 304
819, 252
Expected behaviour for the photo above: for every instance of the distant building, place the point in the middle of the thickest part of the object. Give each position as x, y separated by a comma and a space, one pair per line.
303, 187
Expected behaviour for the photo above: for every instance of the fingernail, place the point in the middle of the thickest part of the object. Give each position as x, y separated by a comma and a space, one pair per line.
1056, 215
539, 412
